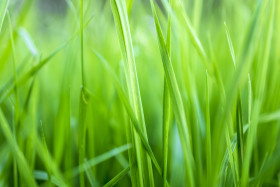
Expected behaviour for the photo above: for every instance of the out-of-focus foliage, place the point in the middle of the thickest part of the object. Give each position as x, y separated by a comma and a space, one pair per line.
139, 93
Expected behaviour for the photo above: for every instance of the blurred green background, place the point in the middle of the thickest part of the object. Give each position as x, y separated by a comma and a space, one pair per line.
49, 101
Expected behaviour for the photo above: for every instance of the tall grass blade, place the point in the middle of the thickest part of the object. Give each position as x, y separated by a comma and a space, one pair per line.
28, 41
3, 10
167, 111
176, 100
123, 30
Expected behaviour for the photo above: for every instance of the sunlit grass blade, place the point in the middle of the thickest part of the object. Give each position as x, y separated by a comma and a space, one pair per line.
176, 100
208, 133
230, 45
167, 121
118, 177
3, 9
119, 10
28, 41
167, 111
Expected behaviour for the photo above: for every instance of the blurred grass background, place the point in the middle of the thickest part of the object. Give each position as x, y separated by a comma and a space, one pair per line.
42, 112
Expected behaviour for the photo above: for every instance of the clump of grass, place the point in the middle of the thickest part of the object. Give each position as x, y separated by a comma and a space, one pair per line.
159, 93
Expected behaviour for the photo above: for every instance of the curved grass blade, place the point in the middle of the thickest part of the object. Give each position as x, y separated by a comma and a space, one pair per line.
176, 100
117, 178
3, 10
230, 45
28, 41
208, 134
167, 111
99, 159
123, 30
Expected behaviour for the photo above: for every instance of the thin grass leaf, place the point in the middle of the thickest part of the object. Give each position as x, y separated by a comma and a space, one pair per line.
123, 30
3, 10
46, 149
28, 41
118, 177
230, 45
231, 159
176, 100
90, 176
208, 134
167, 111
99, 159
84, 99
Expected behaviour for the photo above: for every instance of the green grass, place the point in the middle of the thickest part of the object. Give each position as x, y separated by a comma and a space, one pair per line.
139, 93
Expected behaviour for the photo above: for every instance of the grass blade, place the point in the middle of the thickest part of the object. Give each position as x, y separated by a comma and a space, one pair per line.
3, 10
99, 159
118, 177
123, 30
208, 134
239, 119
167, 111
176, 100
28, 41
